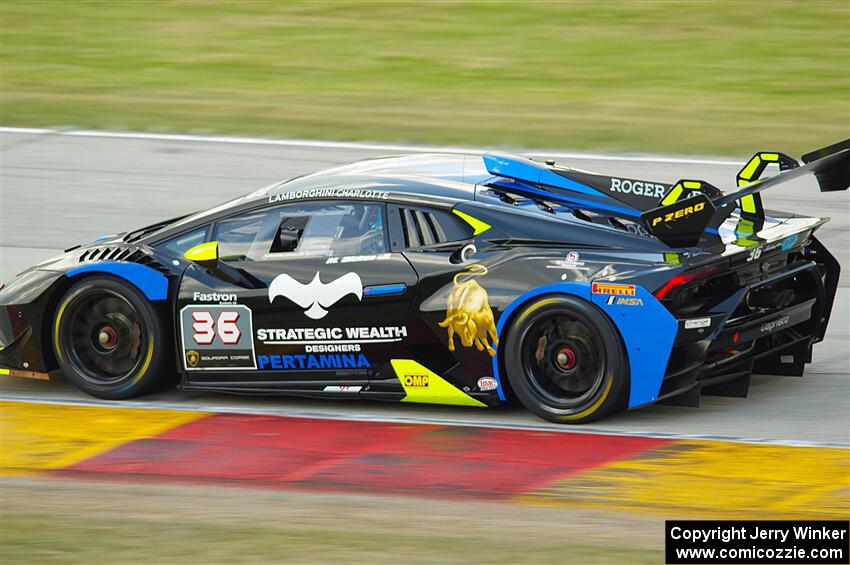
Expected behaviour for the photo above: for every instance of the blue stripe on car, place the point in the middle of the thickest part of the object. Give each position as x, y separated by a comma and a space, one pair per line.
152, 283
385, 289
648, 333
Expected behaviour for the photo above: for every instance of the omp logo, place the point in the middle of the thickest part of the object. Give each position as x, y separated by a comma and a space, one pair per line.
415, 380
611, 288
620, 301
774, 325
680, 213
316, 296
638, 187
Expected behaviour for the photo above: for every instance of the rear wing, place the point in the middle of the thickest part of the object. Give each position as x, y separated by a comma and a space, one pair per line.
682, 222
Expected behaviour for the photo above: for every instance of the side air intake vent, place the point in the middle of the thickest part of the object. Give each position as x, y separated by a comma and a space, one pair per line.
129, 254
105, 254
430, 227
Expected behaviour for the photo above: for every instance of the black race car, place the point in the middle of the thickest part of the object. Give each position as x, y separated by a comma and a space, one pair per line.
449, 279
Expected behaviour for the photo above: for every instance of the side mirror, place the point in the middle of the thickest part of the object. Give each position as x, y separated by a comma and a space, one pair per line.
205, 254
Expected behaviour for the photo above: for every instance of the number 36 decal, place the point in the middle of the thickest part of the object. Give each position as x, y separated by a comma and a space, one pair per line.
217, 337
206, 325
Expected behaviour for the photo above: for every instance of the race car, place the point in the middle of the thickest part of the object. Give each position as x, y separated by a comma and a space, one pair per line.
453, 279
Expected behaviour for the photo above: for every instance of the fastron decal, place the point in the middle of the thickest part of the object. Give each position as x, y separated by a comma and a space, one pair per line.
220, 297
316, 296
469, 314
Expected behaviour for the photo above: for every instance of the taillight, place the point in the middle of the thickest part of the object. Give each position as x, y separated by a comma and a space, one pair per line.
683, 279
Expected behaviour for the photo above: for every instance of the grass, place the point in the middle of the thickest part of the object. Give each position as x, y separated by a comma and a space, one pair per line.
657, 76
49, 539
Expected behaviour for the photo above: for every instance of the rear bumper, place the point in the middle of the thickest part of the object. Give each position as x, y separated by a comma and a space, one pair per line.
737, 341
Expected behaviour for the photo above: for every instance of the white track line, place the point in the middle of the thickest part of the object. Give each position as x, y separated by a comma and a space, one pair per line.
362, 146
355, 417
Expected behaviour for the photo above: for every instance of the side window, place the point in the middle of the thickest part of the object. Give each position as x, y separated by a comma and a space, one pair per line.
248, 236
318, 229
422, 227
184, 242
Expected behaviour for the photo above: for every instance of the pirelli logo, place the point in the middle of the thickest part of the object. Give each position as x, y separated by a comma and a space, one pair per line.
612, 288
415, 380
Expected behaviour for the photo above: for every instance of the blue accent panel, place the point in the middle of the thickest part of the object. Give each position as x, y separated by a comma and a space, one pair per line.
523, 169
712, 231
553, 197
648, 332
385, 289
152, 283
580, 289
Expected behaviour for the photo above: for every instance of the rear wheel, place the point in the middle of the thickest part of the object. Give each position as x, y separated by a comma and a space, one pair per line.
109, 340
565, 361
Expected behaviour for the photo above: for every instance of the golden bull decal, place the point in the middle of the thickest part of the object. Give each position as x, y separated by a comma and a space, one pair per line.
469, 314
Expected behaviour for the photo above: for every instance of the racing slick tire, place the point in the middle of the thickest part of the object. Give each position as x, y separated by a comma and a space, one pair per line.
109, 340
565, 361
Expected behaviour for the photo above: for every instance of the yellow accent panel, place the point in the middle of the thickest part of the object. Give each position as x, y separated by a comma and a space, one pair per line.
204, 252
745, 227
673, 195
770, 157
750, 168
4, 371
692, 184
672, 258
424, 386
745, 242
748, 204
714, 479
477, 225
38, 437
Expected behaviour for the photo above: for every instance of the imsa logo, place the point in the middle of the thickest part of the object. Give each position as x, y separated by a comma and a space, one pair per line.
415, 381
620, 301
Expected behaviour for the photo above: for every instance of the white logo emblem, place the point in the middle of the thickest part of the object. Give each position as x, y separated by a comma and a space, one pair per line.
316, 296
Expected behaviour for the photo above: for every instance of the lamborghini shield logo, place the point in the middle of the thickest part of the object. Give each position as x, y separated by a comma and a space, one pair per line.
192, 358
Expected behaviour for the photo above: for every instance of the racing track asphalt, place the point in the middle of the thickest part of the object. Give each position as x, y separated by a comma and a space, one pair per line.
57, 190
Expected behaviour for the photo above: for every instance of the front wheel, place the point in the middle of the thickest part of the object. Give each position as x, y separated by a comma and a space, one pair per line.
565, 361
108, 339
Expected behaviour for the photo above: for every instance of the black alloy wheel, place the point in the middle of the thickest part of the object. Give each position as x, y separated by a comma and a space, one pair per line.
565, 360
108, 338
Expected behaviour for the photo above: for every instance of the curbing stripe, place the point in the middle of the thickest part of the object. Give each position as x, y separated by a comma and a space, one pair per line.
38, 437
716, 480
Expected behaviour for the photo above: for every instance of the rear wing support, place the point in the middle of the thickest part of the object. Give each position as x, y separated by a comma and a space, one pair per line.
682, 223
